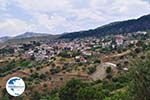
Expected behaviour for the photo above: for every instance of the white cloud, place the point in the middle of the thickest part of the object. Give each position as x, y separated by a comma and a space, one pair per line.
121, 8
58, 16
50, 22
3, 4
55, 24
13, 27
44, 5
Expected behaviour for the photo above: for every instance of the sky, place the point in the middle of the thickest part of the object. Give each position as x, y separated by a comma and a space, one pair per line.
61, 16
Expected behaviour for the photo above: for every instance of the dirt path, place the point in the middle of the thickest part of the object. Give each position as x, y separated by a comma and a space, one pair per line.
111, 57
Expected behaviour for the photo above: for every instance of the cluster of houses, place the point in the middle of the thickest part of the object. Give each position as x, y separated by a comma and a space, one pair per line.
84, 45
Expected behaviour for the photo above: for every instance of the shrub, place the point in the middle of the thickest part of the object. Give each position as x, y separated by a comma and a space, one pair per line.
91, 70
109, 70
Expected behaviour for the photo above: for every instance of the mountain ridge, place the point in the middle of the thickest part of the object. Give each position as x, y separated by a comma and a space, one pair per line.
120, 27
30, 34
4, 38
25, 35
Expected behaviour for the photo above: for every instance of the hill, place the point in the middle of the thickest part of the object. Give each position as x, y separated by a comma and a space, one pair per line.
134, 25
120, 27
30, 34
5, 38
27, 37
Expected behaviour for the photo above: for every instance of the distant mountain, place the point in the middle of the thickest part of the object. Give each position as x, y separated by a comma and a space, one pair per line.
30, 34
121, 27
134, 25
27, 39
5, 38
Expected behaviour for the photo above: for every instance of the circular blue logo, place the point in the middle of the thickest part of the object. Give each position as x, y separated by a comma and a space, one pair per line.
15, 86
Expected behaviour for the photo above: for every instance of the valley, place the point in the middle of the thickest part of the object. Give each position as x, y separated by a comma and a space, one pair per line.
48, 65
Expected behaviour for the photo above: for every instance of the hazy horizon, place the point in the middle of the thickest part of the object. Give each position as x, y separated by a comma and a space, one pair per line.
56, 17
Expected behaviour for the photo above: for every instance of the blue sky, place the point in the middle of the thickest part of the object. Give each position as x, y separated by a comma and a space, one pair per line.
59, 16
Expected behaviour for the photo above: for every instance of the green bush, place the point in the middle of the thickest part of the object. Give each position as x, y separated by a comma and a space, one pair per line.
141, 79
91, 70
109, 70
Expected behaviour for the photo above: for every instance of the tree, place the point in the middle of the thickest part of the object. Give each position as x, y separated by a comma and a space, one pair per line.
141, 79
138, 50
65, 54
35, 75
42, 76
97, 61
119, 96
91, 70
89, 93
69, 92
55, 70
6, 97
108, 70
